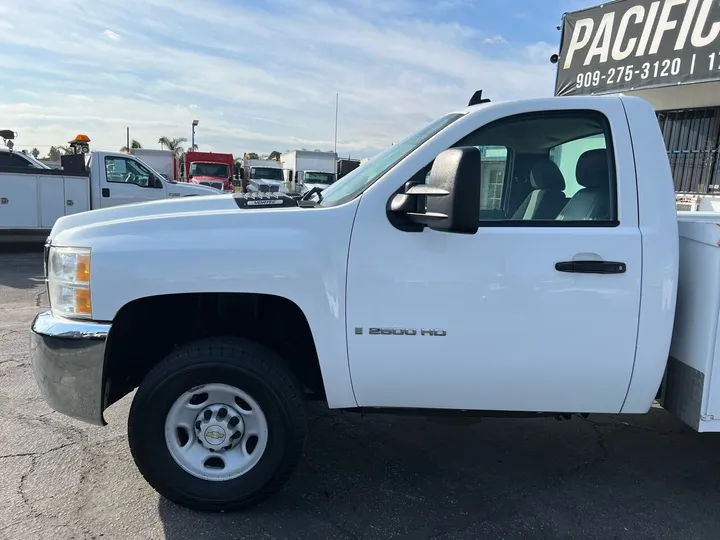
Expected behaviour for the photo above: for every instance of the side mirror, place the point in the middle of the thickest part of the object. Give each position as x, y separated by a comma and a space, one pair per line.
156, 182
190, 176
449, 201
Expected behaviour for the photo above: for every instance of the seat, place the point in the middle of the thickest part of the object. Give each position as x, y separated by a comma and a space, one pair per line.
547, 199
592, 202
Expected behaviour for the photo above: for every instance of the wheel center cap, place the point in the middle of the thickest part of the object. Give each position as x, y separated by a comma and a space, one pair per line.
215, 435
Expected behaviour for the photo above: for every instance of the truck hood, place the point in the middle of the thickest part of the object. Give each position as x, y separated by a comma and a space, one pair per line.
171, 206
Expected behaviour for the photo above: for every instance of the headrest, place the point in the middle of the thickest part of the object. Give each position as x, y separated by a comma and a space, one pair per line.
592, 169
546, 175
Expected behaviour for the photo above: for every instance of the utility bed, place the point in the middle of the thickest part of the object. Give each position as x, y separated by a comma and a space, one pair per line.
32, 200
692, 388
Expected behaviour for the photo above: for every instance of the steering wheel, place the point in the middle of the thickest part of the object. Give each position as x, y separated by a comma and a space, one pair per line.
131, 178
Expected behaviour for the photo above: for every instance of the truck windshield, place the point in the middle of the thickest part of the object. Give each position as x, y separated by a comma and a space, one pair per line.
209, 169
318, 178
266, 173
357, 181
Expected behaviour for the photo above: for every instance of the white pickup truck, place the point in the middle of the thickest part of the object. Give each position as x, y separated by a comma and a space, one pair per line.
517, 257
33, 196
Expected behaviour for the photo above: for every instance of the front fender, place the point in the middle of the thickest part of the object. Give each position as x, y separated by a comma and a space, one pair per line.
295, 253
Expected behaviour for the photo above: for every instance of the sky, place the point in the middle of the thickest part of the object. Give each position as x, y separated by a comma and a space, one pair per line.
263, 75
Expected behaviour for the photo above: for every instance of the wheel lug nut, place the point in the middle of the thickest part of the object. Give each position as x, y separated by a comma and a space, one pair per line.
222, 413
207, 415
234, 421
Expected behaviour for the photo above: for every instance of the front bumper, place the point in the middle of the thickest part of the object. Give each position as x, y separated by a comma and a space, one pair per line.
67, 359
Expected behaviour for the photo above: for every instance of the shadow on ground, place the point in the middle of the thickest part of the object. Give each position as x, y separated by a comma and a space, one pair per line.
392, 477
21, 265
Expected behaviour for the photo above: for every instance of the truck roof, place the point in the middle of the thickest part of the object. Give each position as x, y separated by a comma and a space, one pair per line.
542, 102
193, 154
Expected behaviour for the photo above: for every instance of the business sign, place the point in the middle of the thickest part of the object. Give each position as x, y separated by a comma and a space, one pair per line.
635, 44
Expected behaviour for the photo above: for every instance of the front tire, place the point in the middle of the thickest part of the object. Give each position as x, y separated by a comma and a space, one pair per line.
218, 425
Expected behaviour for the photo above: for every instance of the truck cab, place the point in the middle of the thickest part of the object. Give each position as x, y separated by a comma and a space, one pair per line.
210, 169
262, 175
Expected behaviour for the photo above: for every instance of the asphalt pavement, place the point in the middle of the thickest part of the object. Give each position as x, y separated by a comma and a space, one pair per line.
377, 477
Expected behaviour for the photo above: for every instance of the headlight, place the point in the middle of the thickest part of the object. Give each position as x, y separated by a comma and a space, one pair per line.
69, 282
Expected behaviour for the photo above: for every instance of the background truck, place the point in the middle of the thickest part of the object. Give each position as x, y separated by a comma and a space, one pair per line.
520, 258
163, 161
212, 169
345, 166
309, 168
262, 175
33, 196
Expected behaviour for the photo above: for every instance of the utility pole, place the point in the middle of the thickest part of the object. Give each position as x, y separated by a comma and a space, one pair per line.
337, 98
127, 136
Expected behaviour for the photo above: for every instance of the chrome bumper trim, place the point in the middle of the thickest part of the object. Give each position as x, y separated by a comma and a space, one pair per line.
67, 358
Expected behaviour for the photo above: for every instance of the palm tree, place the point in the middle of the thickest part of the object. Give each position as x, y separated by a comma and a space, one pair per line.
133, 145
174, 144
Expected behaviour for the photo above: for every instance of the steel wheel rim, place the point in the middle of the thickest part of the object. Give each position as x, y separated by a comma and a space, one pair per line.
216, 432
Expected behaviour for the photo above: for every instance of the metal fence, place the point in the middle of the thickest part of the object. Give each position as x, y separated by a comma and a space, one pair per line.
692, 138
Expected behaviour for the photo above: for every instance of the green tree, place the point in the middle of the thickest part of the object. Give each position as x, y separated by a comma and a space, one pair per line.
253, 155
53, 154
134, 144
174, 144
274, 155
35, 153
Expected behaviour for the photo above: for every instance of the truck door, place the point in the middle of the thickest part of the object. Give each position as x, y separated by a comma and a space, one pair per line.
125, 180
522, 315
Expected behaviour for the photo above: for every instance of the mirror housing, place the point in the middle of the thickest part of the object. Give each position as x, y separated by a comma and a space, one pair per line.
449, 201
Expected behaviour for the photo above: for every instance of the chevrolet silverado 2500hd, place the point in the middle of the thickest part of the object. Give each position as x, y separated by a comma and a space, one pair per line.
521, 257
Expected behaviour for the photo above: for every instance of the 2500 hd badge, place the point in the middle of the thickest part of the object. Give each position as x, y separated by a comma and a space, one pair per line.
402, 332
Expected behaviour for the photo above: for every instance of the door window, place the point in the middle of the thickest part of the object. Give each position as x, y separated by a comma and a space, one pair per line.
549, 168
120, 170
13, 160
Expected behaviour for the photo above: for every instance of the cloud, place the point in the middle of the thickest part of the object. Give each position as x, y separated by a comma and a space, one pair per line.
259, 77
494, 40
111, 35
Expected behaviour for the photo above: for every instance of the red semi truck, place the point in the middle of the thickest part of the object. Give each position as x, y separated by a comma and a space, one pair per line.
211, 169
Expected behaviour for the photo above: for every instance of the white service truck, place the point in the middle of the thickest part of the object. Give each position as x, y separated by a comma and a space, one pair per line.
311, 169
262, 175
33, 196
520, 258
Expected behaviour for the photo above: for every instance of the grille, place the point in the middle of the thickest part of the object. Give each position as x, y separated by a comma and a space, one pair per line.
265, 188
216, 185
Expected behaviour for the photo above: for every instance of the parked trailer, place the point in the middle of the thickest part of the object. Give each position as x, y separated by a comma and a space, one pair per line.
345, 166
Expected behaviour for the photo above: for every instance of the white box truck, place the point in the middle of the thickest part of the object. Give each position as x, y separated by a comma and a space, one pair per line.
311, 169
163, 161
519, 258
